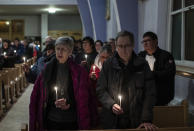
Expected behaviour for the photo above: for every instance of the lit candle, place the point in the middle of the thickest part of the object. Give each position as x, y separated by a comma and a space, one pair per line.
38, 46
94, 67
24, 58
56, 93
14, 51
86, 57
31, 66
4, 53
120, 97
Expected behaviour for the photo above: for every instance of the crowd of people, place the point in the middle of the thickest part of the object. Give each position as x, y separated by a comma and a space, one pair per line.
13, 52
90, 85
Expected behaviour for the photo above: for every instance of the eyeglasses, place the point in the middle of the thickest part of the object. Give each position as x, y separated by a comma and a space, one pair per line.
125, 46
146, 41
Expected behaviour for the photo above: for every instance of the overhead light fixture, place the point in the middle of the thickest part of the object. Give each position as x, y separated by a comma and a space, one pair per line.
52, 10
7, 23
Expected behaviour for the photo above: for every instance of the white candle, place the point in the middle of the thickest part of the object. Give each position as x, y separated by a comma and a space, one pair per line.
56, 93
4, 53
24, 58
120, 97
86, 57
94, 67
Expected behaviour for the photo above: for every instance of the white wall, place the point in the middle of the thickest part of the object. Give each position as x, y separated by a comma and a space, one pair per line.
112, 23
153, 16
32, 25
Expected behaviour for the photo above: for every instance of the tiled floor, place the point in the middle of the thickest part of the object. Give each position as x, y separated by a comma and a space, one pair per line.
18, 114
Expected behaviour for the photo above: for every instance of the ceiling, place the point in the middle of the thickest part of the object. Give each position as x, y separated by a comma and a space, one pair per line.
36, 9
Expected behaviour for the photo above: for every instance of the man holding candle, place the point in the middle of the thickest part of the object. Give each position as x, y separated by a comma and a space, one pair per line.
60, 99
126, 88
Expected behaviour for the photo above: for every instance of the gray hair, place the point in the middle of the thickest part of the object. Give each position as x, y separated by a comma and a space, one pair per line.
107, 49
66, 41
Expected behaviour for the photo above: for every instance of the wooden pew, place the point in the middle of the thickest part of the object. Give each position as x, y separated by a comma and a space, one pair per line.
5, 81
21, 76
171, 116
11, 83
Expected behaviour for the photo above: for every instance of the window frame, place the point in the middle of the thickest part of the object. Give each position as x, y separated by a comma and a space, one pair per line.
181, 64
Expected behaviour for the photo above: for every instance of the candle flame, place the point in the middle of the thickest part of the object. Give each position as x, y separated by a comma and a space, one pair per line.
120, 97
94, 68
86, 56
55, 88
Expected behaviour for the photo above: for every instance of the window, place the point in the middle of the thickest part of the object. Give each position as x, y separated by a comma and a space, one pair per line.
182, 30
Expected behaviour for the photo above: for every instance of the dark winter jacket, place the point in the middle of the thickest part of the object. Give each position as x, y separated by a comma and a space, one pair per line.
164, 74
138, 85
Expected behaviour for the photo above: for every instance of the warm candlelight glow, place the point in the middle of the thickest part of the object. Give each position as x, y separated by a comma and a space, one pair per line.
94, 67
120, 97
86, 56
56, 93
24, 58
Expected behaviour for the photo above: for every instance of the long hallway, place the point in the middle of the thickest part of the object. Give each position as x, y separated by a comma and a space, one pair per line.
18, 114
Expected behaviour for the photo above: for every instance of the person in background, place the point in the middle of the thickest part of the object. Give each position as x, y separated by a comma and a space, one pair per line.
19, 48
112, 43
104, 54
98, 45
7, 52
28, 50
60, 98
32, 73
126, 88
89, 54
162, 65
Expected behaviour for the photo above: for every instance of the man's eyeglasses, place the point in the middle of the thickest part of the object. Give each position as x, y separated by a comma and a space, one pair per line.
146, 41
125, 46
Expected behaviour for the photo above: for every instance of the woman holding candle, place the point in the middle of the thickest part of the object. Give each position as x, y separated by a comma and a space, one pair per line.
89, 53
126, 88
95, 69
61, 95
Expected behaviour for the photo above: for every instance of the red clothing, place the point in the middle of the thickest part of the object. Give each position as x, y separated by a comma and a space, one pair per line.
94, 82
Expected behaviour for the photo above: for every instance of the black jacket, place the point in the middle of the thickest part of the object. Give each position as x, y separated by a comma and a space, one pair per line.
140, 89
164, 73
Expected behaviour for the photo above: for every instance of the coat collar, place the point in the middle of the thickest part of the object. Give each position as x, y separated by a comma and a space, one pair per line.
134, 63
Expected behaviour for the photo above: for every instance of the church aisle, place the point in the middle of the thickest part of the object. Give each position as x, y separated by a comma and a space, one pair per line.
18, 114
